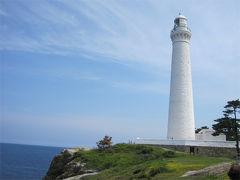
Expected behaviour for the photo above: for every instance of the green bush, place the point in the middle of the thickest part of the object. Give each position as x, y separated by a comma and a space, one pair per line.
156, 170
144, 149
150, 171
169, 154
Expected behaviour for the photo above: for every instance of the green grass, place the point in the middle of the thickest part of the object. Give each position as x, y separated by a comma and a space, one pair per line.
130, 161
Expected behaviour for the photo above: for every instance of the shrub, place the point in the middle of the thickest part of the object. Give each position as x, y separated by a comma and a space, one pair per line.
144, 149
169, 154
105, 143
149, 172
137, 171
155, 170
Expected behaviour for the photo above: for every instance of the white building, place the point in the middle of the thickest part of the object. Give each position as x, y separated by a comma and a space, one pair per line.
181, 128
181, 115
206, 135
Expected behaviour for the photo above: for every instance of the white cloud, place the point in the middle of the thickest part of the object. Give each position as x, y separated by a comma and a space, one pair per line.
108, 29
136, 32
148, 87
130, 33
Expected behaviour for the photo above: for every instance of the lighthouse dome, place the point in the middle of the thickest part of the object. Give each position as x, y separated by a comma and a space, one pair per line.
180, 20
181, 16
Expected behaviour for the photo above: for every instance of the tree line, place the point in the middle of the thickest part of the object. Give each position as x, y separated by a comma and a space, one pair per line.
228, 124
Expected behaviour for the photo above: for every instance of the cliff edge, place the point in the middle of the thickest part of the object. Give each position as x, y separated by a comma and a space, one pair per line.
64, 166
132, 161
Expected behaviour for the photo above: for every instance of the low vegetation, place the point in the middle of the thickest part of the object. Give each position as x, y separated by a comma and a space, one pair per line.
130, 161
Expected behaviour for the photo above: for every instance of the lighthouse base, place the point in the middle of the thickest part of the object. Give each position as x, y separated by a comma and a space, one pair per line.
207, 148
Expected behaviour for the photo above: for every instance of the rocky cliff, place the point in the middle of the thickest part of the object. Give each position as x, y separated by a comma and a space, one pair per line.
63, 165
132, 161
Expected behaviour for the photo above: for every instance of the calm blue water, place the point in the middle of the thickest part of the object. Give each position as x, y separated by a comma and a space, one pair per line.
25, 162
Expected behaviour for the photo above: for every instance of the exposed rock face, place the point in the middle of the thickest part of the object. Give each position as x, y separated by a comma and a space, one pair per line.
62, 165
216, 170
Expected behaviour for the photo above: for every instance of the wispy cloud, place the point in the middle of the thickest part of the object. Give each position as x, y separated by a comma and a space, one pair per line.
136, 32
148, 87
154, 87
77, 123
74, 75
80, 74
112, 29
131, 33
3, 13
134, 86
126, 32
108, 29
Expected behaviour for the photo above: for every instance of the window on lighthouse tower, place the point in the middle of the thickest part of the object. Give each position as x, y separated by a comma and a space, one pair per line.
176, 22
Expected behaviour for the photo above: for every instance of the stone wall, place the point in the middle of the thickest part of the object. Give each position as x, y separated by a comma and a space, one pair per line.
201, 150
225, 144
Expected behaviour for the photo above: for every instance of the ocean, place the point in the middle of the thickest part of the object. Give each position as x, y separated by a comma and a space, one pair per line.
25, 162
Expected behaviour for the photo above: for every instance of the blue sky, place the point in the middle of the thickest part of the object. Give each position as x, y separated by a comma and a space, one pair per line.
74, 71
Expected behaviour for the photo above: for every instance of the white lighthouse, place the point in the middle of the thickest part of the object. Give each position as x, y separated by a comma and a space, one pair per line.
181, 128
181, 115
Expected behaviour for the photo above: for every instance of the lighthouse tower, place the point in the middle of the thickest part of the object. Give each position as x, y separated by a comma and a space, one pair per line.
181, 130
181, 115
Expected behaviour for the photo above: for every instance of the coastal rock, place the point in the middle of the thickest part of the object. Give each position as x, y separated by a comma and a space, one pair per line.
71, 169
216, 170
62, 166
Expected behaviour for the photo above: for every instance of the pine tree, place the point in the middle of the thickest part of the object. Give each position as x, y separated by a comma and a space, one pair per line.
229, 124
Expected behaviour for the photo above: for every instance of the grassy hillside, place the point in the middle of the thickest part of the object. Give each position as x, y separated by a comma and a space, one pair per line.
129, 161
